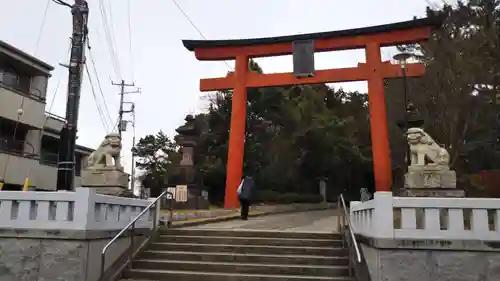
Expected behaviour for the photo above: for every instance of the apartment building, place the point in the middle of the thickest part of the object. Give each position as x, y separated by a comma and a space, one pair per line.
29, 136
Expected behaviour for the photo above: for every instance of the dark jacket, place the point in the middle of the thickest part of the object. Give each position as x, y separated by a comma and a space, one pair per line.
247, 188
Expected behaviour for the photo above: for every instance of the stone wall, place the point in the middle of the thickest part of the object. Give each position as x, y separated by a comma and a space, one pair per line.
65, 256
47, 236
439, 261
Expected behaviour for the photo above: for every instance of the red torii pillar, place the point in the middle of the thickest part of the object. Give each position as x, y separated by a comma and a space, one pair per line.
374, 71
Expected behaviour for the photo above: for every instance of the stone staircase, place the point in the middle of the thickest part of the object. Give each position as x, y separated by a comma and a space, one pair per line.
220, 255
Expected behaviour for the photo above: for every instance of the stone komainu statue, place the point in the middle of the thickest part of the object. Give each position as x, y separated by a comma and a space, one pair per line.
423, 147
365, 194
107, 155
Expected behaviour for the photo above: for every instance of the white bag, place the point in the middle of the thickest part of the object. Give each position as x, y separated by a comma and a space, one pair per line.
240, 187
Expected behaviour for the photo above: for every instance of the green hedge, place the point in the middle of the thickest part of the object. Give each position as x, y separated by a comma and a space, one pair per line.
273, 197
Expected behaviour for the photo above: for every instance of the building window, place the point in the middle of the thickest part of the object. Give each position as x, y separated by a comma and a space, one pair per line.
13, 79
50, 150
12, 137
49, 154
78, 164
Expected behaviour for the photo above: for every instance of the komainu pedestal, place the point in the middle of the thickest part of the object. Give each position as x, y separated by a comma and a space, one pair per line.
104, 171
429, 174
430, 181
104, 178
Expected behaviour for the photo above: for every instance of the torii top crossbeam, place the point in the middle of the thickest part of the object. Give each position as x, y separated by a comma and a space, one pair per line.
374, 71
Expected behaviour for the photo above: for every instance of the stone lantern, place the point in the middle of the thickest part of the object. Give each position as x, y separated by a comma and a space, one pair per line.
187, 137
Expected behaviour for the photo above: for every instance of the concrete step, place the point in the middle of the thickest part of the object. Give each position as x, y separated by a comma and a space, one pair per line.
244, 258
249, 233
178, 275
249, 249
250, 241
246, 268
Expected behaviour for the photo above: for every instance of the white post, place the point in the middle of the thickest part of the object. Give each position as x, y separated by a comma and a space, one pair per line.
354, 220
157, 210
383, 215
84, 207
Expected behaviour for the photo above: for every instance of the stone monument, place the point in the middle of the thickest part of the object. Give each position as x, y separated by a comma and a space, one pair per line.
104, 171
429, 174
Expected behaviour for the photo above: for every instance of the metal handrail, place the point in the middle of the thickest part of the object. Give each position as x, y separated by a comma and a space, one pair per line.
129, 225
351, 232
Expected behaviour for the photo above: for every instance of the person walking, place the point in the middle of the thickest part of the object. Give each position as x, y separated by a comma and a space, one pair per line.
245, 191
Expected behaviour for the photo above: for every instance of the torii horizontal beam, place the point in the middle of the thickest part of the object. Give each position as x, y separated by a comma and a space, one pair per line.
387, 35
360, 73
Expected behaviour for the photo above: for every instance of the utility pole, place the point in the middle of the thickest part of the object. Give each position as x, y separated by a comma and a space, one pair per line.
122, 124
132, 169
122, 85
66, 161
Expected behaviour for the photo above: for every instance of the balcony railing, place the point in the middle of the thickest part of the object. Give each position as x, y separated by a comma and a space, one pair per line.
20, 84
51, 159
16, 147
54, 116
48, 158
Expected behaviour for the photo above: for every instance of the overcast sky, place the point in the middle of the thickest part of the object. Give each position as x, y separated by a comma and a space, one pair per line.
158, 63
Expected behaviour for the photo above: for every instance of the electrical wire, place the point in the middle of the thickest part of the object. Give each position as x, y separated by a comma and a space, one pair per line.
62, 3
129, 12
188, 19
52, 102
116, 124
99, 82
109, 39
59, 80
99, 110
195, 27
42, 25
112, 32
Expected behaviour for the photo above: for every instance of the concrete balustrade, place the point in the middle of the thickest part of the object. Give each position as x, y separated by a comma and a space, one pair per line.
60, 235
427, 218
425, 238
79, 210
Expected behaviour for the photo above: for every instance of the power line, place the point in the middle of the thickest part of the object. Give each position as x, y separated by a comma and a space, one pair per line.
195, 27
112, 29
42, 25
62, 3
99, 82
51, 104
99, 109
110, 42
189, 20
129, 12
116, 124
59, 80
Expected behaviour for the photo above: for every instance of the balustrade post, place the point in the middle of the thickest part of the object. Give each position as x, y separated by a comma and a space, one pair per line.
382, 220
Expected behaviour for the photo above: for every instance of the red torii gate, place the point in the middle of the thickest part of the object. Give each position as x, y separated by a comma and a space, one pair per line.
374, 71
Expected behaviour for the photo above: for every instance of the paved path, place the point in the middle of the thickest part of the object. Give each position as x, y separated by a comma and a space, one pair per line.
314, 221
